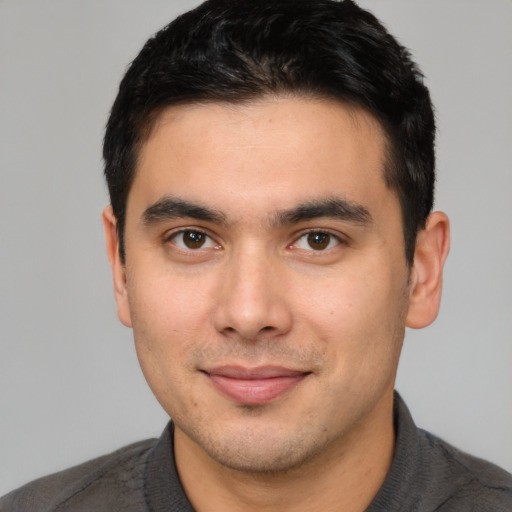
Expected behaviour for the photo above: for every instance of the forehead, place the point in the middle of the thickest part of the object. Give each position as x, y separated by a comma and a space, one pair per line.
272, 153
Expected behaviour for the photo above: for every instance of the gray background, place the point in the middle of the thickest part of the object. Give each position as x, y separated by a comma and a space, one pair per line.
70, 386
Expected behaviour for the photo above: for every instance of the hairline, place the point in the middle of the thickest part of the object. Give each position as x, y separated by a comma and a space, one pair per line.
150, 120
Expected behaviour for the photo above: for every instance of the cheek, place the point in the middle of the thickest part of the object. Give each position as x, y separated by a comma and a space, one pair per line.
167, 301
359, 316
167, 328
170, 319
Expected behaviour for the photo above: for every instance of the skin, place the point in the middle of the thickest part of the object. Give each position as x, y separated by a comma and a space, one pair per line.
247, 286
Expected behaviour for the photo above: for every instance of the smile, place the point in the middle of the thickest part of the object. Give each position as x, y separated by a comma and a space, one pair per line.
256, 386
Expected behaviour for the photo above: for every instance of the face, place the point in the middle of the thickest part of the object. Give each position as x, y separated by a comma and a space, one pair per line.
265, 277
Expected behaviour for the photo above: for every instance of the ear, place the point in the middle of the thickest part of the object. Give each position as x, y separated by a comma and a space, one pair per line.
432, 246
117, 266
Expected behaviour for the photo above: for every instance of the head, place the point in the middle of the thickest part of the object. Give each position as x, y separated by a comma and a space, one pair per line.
237, 51
270, 166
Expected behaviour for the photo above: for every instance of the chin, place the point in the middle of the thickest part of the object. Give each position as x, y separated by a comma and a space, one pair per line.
260, 461
263, 450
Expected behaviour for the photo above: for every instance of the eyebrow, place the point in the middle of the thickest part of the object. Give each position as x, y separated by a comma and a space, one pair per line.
335, 208
169, 208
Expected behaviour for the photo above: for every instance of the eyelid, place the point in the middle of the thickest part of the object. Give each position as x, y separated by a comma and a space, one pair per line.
169, 236
340, 238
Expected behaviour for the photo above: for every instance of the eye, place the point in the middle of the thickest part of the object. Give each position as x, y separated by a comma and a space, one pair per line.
190, 239
317, 240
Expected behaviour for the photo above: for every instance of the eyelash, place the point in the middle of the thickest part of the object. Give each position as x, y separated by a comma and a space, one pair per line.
173, 236
294, 245
332, 237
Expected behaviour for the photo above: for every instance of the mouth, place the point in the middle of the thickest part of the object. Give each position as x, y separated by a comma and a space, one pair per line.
254, 386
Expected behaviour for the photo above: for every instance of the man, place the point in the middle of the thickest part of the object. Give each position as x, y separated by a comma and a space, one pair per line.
271, 169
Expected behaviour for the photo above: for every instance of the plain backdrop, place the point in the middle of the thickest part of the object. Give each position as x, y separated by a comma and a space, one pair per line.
70, 385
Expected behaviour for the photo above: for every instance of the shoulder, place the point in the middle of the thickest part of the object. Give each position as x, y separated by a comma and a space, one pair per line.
470, 483
111, 482
428, 474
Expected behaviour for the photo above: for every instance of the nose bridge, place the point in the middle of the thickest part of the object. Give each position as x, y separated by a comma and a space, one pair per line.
250, 298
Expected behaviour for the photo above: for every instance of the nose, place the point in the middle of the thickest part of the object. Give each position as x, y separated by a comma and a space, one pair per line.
252, 302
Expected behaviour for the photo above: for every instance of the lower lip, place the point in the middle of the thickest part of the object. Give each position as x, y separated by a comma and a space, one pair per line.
255, 391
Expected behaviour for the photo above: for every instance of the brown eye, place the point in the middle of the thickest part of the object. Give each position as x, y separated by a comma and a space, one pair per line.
193, 239
190, 239
318, 241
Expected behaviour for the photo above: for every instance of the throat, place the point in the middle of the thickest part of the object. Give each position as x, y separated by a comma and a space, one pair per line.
346, 476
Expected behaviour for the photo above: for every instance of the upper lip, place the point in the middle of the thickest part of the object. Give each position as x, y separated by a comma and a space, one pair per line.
260, 372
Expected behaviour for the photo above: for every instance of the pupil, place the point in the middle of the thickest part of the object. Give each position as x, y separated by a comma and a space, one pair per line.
193, 239
318, 240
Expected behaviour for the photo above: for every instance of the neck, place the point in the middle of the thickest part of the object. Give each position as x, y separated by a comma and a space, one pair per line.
346, 476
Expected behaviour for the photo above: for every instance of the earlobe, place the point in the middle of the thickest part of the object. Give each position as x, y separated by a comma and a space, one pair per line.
116, 265
432, 246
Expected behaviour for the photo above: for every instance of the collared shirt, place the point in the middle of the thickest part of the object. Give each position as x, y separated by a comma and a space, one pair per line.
427, 475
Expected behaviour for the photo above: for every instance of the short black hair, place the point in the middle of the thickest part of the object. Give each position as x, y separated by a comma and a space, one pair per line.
239, 50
